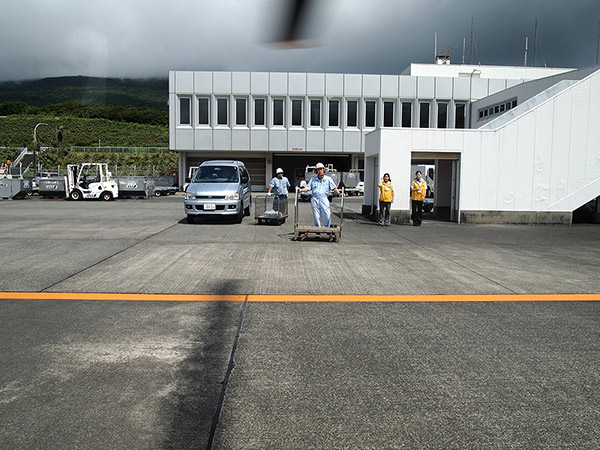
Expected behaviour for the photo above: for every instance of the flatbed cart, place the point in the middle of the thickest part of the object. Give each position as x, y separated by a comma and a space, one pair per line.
270, 209
333, 233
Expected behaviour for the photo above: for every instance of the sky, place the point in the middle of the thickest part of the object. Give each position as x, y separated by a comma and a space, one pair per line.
147, 38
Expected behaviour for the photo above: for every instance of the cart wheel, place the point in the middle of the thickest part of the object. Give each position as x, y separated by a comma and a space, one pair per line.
296, 236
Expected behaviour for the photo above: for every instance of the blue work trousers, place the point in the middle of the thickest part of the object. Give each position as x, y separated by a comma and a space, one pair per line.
321, 212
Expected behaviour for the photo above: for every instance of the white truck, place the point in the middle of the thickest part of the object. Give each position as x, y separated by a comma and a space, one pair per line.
90, 180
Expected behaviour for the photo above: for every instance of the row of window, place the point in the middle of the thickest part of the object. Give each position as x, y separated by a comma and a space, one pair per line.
497, 109
333, 115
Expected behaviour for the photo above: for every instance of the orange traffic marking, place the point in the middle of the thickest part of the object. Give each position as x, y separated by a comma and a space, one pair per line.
299, 297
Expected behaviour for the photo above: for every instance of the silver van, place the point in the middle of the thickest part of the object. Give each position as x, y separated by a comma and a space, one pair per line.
219, 188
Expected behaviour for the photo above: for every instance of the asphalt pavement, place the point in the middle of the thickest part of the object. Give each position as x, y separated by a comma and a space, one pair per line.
232, 371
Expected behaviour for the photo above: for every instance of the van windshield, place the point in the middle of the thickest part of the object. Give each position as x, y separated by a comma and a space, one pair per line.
216, 174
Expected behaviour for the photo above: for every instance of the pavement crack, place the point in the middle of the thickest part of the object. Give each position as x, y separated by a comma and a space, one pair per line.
225, 382
107, 258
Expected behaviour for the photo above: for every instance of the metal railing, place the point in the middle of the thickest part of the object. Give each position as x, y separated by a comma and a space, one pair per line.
84, 149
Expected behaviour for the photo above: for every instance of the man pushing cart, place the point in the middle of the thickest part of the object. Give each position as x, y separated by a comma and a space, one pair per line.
322, 188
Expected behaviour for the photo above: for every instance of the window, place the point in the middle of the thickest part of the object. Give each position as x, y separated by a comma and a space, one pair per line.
334, 113
388, 114
315, 113
424, 115
185, 110
370, 113
278, 112
296, 113
442, 115
240, 111
203, 111
259, 112
352, 113
407, 114
459, 115
222, 111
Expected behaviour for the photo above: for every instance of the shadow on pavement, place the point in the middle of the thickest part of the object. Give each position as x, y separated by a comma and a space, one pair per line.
200, 376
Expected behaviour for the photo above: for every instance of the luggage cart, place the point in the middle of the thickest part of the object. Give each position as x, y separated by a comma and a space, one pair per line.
270, 209
333, 233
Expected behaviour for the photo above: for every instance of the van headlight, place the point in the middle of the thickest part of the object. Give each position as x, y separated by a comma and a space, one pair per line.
232, 196
190, 196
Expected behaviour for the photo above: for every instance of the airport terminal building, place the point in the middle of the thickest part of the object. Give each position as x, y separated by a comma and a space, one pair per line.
509, 144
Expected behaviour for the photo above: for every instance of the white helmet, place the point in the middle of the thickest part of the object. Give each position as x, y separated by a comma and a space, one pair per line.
279, 170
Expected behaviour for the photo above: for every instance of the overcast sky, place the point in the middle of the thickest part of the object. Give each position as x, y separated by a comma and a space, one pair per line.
147, 38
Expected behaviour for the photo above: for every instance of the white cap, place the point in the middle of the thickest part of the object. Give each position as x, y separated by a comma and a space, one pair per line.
319, 166
279, 170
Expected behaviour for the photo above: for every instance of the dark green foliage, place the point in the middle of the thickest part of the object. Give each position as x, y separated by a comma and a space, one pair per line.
84, 111
17, 131
141, 93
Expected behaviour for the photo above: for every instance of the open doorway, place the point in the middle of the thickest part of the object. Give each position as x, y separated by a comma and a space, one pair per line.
441, 172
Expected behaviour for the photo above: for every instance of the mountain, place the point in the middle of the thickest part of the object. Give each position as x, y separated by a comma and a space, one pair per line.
141, 93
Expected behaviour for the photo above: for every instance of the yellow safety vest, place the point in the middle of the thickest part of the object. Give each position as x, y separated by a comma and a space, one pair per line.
418, 195
385, 192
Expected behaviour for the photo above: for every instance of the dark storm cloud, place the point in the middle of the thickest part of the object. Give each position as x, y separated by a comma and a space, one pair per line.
135, 38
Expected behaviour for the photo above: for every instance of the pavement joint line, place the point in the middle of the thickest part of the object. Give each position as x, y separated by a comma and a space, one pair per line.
297, 298
108, 257
230, 367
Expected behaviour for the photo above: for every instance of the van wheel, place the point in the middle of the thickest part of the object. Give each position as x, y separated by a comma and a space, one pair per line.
240, 215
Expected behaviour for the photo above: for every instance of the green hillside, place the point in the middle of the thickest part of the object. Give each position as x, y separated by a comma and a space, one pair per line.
142, 93
85, 111
65, 131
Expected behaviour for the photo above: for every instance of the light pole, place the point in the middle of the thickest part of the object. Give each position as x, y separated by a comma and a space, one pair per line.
35, 145
474, 72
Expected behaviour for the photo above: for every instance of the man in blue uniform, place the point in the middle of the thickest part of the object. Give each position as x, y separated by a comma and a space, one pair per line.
279, 187
321, 187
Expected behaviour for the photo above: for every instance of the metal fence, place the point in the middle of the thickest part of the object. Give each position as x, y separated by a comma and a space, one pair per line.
120, 149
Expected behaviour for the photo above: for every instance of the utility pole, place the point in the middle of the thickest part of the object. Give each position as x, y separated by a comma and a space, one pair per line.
35, 146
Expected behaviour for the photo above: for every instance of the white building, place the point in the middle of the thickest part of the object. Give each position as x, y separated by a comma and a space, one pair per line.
290, 120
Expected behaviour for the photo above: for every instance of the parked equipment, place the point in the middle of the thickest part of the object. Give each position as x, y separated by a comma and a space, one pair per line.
333, 233
90, 180
52, 187
13, 188
270, 209
163, 186
135, 187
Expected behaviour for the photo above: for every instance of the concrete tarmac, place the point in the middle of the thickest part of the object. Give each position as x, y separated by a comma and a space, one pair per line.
303, 374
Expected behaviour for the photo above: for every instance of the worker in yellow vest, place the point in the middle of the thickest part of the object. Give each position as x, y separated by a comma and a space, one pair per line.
418, 189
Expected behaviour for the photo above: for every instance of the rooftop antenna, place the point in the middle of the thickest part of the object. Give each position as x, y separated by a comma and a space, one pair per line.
535, 41
598, 43
526, 45
465, 43
471, 40
435, 47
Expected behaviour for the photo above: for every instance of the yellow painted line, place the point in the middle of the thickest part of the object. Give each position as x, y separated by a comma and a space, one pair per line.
122, 297
299, 297
428, 298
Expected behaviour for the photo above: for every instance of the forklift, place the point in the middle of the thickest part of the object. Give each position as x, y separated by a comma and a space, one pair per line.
90, 180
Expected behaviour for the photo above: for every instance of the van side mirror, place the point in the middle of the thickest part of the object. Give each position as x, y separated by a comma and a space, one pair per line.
188, 180
244, 179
